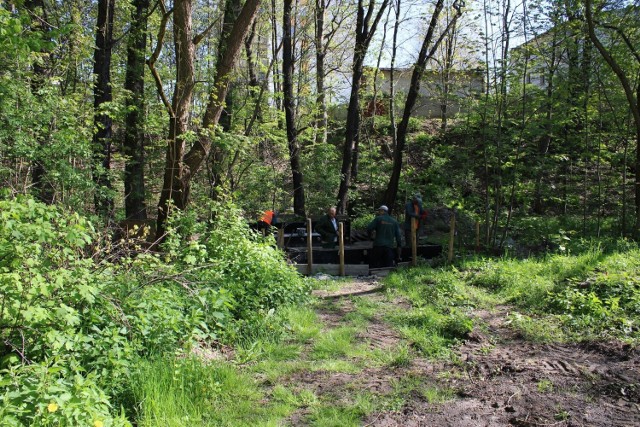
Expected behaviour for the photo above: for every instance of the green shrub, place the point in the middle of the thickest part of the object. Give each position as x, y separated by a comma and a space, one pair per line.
52, 394
244, 266
72, 323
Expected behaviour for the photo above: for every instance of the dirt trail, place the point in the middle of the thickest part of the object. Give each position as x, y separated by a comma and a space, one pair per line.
501, 378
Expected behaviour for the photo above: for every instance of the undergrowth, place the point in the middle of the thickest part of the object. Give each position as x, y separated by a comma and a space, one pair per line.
80, 316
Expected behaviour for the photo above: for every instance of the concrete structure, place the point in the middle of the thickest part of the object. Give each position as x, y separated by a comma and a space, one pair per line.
462, 85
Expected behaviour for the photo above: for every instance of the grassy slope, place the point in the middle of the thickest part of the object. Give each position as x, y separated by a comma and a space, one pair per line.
593, 296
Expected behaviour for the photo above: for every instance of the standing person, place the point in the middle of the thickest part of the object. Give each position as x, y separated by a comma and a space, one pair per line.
413, 209
387, 230
327, 227
268, 219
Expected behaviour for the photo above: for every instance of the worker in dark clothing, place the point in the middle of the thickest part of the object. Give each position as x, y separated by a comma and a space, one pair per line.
413, 209
327, 227
387, 231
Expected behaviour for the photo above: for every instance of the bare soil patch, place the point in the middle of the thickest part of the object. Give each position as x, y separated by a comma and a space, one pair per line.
505, 380
500, 379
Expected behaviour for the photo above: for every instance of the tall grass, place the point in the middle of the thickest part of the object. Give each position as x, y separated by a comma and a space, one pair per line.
180, 392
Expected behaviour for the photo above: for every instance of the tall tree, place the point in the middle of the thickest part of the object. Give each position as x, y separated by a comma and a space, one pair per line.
365, 29
633, 97
288, 61
181, 166
102, 95
429, 46
43, 188
134, 182
217, 156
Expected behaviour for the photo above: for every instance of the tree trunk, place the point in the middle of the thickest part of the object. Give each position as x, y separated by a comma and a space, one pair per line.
179, 167
217, 156
446, 77
102, 94
392, 83
134, 185
274, 53
364, 34
231, 11
426, 52
321, 100
632, 98
174, 187
289, 108
42, 187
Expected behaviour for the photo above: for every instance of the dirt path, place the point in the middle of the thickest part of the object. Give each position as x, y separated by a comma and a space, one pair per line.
500, 379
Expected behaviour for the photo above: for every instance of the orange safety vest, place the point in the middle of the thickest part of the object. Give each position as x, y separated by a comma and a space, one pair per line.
267, 217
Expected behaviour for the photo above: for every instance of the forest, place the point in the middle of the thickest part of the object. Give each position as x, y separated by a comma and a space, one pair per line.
140, 140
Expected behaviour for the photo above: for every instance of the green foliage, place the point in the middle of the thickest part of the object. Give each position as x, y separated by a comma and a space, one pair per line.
72, 326
238, 263
178, 392
52, 394
592, 294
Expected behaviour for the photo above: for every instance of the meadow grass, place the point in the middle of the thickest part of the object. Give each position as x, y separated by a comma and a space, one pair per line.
178, 392
556, 298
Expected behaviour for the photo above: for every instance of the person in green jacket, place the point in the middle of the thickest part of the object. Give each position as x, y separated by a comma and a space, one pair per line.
387, 232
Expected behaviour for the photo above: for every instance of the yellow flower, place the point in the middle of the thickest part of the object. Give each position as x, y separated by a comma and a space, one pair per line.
98, 423
52, 407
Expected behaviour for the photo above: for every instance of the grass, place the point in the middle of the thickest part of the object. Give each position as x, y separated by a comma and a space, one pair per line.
334, 343
344, 414
558, 298
396, 357
179, 392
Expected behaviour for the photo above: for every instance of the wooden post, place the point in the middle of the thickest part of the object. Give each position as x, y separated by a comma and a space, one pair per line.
414, 242
280, 241
309, 247
477, 236
452, 234
341, 247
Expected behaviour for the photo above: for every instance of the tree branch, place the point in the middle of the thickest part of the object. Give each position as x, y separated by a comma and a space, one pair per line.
156, 53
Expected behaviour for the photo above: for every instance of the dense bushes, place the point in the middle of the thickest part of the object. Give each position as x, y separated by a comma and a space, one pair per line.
594, 294
72, 323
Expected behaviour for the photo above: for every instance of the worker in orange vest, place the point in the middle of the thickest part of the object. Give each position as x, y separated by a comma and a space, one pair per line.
413, 210
269, 218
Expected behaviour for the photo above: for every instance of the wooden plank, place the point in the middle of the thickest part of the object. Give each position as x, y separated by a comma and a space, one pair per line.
341, 248
414, 241
309, 248
334, 269
452, 234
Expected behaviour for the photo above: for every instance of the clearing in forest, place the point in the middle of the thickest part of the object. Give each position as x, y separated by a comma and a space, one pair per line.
360, 369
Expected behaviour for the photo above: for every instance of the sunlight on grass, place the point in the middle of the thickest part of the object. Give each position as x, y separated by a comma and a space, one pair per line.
396, 357
334, 343
541, 329
302, 399
435, 394
186, 392
302, 322
429, 344
331, 414
274, 370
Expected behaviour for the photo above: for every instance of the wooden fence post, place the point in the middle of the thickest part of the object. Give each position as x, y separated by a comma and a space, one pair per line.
452, 234
280, 241
341, 247
309, 247
414, 242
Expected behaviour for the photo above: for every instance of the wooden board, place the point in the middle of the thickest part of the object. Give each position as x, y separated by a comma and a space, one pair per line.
333, 269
